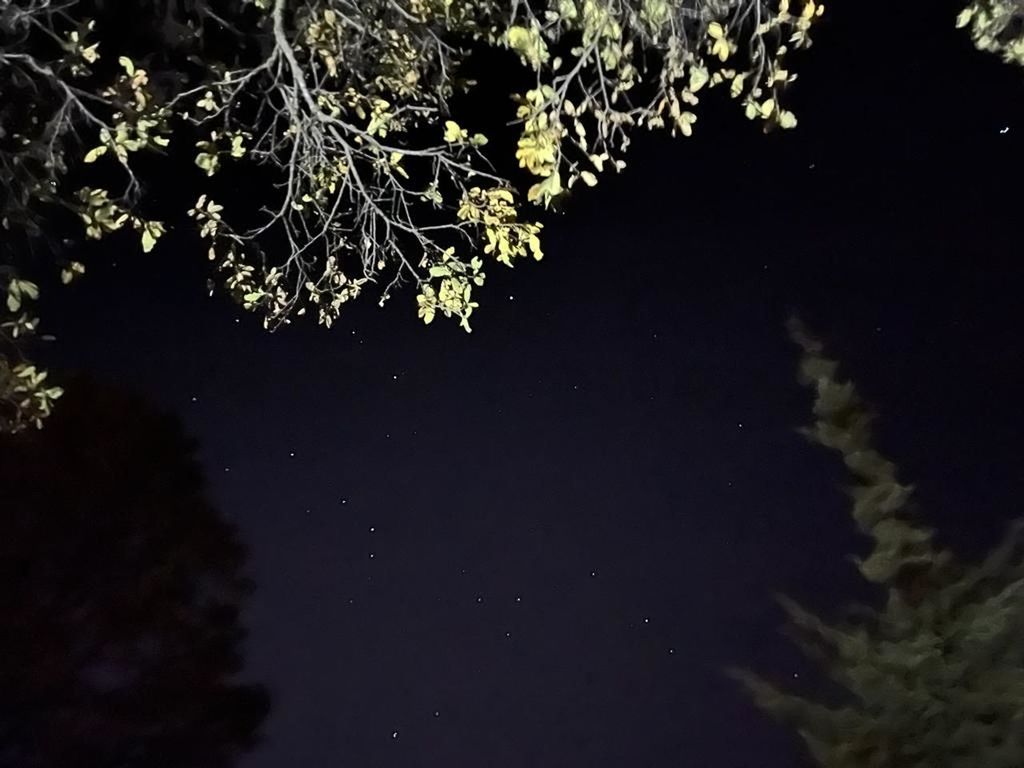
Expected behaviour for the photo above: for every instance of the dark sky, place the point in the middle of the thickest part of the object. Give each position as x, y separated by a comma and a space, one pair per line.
539, 544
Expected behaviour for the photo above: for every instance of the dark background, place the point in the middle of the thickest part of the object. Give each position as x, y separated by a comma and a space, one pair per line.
541, 543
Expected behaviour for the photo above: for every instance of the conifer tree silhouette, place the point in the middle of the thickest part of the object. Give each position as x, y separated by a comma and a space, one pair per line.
932, 678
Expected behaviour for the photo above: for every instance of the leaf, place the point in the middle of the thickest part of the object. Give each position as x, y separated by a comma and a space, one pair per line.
737, 85
964, 18
151, 232
207, 102
27, 288
787, 119
698, 78
453, 132
528, 44
208, 162
721, 49
588, 178
128, 64
535, 247
93, 154
685, 123
544, 191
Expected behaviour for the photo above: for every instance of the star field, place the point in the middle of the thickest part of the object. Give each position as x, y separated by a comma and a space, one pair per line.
541, 544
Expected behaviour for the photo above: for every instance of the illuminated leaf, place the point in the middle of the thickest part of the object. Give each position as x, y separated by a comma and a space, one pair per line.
93, 154
151, 232
452, 132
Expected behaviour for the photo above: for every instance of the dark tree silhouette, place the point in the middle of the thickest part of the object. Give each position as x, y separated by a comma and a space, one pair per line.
120, 592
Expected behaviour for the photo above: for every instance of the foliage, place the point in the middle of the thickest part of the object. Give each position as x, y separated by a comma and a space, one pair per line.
996, 26
26, 398
936, 675
121, 594
343, 111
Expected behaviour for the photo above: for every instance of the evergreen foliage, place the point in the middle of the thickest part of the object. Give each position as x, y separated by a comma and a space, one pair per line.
934, 676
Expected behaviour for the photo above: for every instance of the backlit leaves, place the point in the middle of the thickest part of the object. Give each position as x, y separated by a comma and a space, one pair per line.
26, 397
996, 26
150, 232
720, 45
346, 111
529, 44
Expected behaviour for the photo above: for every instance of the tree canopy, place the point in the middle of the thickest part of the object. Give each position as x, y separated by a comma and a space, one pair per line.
351, 120
996, 26
121, 593
348, 125
935, 676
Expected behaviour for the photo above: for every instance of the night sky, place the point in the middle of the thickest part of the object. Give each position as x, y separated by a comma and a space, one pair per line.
540, 544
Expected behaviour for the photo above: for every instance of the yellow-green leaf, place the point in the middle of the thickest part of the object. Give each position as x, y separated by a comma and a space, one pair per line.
92, 155
151, 232
452, 132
